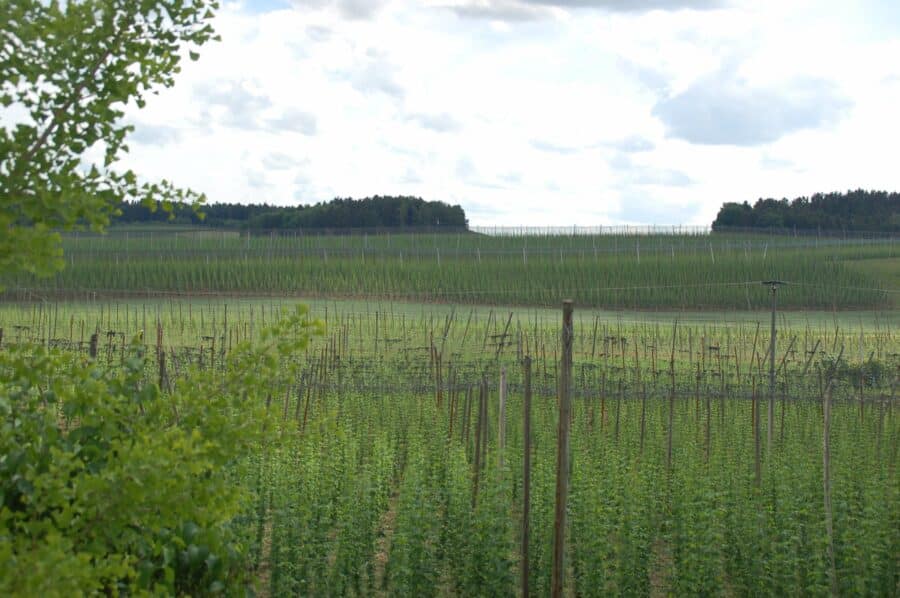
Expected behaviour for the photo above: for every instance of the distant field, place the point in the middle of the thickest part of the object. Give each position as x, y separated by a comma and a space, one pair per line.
885, 270
681, 272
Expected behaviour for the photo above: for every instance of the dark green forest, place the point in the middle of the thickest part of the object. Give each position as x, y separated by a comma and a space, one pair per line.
370, 212
860, 210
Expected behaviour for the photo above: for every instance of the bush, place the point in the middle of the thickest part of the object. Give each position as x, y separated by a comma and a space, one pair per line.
869, 373
108, 485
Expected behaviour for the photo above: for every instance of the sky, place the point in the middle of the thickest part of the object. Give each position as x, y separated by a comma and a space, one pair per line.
534, 112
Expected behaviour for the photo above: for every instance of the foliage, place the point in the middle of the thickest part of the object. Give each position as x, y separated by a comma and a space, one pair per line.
115, 486
370, 212
68, 70
859, 210
869, 373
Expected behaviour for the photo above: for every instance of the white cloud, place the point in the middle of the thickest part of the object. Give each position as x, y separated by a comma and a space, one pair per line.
280, 161
148, 134
533, 111
723, 110
292, 120
440, 122
373, 74
231, 103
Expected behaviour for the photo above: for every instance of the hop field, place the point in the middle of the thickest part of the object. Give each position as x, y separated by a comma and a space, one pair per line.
718, 418
383, 473
392, 452
601, 271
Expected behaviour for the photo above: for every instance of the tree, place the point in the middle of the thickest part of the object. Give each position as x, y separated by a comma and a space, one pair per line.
733, 214
67, 71
860, 210
108, 485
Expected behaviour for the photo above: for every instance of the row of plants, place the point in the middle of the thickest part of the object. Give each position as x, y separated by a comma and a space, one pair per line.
443, 517
288, 467
229, 243
368, 340
821, 279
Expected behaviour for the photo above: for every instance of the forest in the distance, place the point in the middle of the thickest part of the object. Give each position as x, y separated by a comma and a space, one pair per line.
370, 212
860, 210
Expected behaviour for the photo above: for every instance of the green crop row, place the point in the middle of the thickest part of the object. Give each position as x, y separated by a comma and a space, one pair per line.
373, 470
822, 279
379, 498
163, 241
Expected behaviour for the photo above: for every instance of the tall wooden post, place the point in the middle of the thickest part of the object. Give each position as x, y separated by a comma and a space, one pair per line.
438, 377
485, 426
826, 483
670, 427
526, 476
562, 455
467, 416
826, 478
159, 341
757, 470
773, 285
479, 425
643, 415
163, 375
501, 418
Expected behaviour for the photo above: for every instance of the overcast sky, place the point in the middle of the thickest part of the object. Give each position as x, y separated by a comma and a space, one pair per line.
535, 111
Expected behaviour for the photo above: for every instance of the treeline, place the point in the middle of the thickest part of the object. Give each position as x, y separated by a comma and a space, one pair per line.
371, 212
860, 210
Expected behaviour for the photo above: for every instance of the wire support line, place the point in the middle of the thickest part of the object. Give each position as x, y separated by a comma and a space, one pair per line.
844, 288
377, 293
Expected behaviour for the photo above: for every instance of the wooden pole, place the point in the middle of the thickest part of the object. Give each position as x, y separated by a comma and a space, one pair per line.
162, 371
467, 416
300, 386
562, 456
485, 426
453, 399
643, 415
826, 478
476, 471
771, 406
708, 435
671, 424
501, 418
669, 429
809, 358
826, 483
438, 381
619, 400
757, 469
526, 476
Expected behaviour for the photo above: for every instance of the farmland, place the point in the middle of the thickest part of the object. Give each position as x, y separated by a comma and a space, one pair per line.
613, 271
269, 399
390, 465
